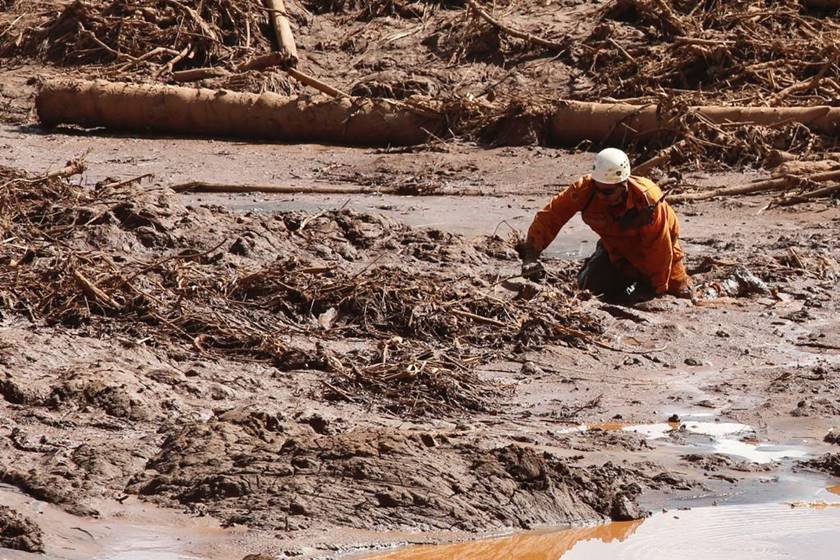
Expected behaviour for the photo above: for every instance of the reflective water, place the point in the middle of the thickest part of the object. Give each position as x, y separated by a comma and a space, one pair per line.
764, 531
729, 438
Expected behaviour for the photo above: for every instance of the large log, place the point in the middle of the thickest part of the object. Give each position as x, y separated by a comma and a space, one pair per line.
616, 123
206, 112
358, 121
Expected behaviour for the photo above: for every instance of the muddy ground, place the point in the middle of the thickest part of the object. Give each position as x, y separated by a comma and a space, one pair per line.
294, 445
330, 373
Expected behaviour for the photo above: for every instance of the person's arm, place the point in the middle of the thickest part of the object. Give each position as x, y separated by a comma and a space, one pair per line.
656, 254
548, 221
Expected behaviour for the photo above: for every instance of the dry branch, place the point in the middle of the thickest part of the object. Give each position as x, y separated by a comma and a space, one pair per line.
663, 157
94, 292
201, 186
315, 83
804, 197
768, 185
196, 74
515, 32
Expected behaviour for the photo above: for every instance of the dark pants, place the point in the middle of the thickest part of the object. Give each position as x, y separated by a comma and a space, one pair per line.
602, 278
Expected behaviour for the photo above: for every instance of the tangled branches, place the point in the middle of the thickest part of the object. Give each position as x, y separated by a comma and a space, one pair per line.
114, 261
135, 34
744, 52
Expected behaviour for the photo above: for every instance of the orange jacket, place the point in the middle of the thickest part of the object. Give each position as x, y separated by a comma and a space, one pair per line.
651, 252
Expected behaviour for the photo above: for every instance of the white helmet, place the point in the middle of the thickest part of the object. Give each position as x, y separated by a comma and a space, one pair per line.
611, 166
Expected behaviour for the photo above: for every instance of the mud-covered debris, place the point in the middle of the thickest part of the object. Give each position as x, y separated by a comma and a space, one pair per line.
148, 31
832, 436
378, 478
18, 532
829, 463
47, 487
144, 266
738, 282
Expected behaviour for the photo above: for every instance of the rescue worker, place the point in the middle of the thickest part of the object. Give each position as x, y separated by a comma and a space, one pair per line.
638, 255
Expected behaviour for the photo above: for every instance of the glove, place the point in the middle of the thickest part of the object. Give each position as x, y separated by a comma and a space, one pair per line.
683, 290
526, 252
533, 271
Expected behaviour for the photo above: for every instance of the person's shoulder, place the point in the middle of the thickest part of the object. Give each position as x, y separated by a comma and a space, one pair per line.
645, 189
584, 184
582, 189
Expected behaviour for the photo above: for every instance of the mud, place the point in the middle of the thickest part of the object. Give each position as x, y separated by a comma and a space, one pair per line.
829, 463
384, 480
19, 532
328, 375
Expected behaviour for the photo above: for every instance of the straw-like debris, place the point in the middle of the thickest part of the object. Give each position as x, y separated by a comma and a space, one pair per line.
138, 35
112, 260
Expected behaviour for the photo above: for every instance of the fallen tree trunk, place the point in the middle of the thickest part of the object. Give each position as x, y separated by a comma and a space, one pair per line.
282, 30
180, 110
768, 185
203, 187
358, 121
616, 123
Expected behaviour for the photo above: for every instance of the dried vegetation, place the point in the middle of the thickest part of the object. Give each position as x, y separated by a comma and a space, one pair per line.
109, 261
494, 71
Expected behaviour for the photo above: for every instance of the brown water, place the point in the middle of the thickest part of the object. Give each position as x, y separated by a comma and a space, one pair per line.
763, 531
528, 546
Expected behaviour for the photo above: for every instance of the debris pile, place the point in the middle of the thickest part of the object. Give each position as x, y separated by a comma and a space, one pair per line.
750, 52
138, 35
493, 73
828, 463
113, 259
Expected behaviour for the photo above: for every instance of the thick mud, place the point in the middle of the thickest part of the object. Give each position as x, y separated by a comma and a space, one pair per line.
293, 440
124, 530
310, 376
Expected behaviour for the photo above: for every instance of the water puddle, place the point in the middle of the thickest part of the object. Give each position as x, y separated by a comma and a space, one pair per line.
834, 489
729, 438
763, 531
132, 531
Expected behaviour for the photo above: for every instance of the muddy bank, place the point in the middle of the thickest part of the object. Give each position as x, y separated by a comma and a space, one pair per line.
376, 479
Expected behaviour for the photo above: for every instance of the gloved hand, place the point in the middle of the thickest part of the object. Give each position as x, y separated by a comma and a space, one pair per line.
685, 292
533, 270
